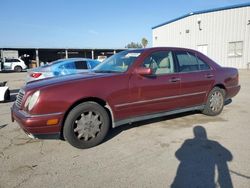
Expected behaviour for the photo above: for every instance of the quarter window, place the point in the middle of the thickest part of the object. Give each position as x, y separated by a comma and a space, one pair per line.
160, 62
235, 49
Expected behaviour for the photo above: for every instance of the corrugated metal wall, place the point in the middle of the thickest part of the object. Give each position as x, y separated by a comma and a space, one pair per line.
217, 30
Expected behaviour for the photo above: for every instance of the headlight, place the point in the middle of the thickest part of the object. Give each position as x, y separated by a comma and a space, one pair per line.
27, 102
31, 100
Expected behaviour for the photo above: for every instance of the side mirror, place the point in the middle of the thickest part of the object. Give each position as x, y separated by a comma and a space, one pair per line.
144, 71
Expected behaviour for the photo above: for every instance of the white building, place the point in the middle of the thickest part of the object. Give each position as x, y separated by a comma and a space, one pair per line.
223, 34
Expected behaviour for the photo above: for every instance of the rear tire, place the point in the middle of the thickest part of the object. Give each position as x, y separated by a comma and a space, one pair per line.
18, 69
215, 102
86, 125
7, 95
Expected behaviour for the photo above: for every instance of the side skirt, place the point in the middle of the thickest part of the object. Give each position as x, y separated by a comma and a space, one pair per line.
151, 116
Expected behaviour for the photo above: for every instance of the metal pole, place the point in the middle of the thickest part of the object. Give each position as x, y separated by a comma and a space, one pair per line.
93, 54
37, 58
66, 54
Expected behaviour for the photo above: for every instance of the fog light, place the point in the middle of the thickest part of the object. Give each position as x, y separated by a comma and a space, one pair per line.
52, 122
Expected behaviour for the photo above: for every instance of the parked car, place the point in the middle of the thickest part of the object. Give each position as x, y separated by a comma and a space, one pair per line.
129, 86
13, 64
4, 92
60, 67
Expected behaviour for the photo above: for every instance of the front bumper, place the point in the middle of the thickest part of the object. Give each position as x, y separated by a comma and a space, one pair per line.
36, 125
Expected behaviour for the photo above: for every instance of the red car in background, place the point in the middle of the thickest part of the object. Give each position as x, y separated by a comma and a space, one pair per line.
129, 86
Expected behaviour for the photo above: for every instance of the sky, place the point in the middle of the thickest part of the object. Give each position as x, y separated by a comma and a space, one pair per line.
90, 23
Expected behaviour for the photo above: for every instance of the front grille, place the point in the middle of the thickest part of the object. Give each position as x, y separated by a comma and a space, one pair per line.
19, 98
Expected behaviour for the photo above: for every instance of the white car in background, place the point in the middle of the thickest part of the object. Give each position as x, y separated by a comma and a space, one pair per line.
4, 92
13, 64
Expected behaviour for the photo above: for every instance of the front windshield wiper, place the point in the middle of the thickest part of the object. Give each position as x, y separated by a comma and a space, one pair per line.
106, 71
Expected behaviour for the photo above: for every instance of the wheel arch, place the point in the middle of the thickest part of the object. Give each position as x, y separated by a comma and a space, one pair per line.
221, 86
14, 67
97, 100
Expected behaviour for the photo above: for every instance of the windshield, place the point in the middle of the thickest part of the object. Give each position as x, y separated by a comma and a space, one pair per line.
119, 62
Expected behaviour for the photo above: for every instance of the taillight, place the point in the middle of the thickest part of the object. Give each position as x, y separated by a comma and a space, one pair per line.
36, 75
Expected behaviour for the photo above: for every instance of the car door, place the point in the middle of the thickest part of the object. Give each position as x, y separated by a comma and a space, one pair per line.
8, 64
196, 78
157, 92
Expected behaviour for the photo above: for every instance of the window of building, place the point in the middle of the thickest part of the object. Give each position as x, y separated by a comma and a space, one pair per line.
235, 49
202, 48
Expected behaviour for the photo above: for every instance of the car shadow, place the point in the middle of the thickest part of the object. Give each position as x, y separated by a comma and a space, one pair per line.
203, 163
116, 131
2, 126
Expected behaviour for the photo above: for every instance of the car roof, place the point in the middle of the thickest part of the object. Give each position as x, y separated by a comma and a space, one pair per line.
159, 48
76, 59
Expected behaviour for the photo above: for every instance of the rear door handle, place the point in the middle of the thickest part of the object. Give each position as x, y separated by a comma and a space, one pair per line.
174, 79
209, 75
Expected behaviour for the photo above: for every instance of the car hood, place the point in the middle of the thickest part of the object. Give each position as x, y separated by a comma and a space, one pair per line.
64, 79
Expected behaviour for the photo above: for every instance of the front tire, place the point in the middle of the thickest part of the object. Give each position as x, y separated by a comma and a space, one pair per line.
215, 102
86, 125
7, 95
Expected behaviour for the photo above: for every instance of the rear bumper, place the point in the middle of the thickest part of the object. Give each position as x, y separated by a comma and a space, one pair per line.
232, 91
36, 125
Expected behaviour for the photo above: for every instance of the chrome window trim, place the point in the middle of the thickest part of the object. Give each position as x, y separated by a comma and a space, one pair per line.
195, 71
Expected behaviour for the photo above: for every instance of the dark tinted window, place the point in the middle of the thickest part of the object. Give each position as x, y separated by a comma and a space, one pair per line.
187, 62
81, 65
11, 60
203, 65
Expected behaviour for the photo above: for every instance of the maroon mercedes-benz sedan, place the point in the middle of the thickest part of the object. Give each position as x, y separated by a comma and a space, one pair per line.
129, 86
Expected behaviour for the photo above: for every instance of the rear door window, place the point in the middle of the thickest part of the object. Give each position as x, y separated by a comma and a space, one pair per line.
12, 60
203, 65
188, 62
81, 65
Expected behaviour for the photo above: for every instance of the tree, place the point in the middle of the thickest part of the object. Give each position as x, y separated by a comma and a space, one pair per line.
144, 42
133, 45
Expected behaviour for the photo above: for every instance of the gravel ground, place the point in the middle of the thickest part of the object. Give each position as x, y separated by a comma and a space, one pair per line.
156, 153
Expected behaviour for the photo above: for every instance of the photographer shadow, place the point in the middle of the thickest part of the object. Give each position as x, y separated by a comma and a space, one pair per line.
200, 159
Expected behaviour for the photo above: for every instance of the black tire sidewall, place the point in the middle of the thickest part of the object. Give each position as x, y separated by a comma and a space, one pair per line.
68, 129
18, 69
7, 95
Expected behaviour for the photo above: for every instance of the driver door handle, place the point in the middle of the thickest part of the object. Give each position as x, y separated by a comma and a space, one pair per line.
174, 79
209, 75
